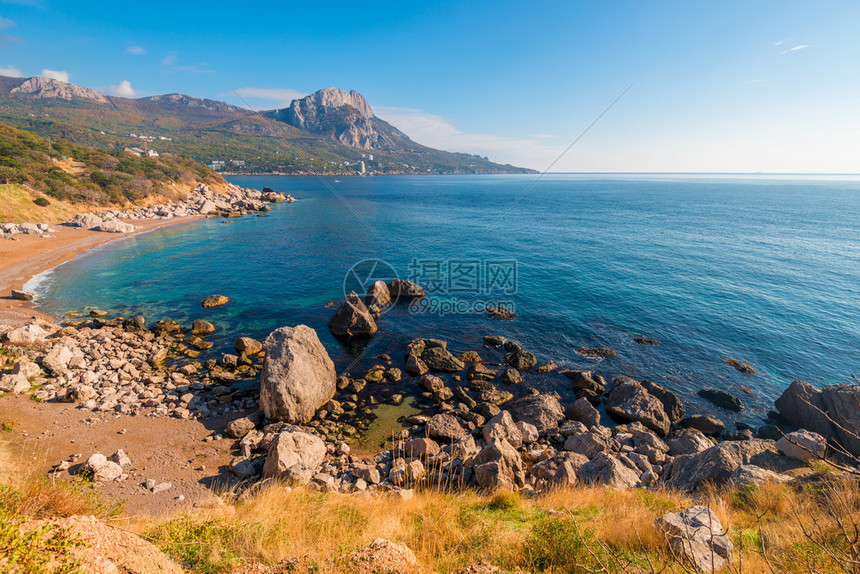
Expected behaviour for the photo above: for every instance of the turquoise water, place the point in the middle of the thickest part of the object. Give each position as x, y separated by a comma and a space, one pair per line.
759, 269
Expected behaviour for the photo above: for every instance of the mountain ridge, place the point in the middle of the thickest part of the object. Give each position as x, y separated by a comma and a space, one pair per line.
329, 131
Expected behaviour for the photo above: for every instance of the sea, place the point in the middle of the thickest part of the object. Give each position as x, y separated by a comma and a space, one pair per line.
757, 268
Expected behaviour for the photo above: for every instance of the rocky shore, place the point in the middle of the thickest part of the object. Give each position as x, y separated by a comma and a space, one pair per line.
290, 410
201, 201
292, 419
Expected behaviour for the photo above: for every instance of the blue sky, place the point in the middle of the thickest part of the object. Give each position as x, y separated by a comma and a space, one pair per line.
717, 86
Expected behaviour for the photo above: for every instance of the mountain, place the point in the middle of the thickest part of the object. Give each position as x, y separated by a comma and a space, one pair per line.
344, 116
331, 131
47, 88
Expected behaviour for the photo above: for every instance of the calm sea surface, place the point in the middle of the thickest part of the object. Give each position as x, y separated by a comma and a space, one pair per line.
761, 269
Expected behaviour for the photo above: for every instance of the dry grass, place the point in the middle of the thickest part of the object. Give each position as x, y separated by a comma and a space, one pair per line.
16, 206
775, 527
546, 534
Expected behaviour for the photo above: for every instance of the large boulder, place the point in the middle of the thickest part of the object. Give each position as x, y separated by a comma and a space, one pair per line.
114, 226
803, 445
298, 377
440, 360
57, 360
584, 381
688, 441
520, 359
215, 301
541, 410
499, 465
14, 383
607, 470
85, 221
293, 447
673, 406
26, 335
503, 427
100, 468
696, 533
717, 463
804, 406
751, 475
584, 412
378, 296
352, 319
401, 289
628, 399
445, 427
106, 549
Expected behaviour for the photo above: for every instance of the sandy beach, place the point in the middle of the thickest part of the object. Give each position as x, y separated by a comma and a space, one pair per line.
31, 254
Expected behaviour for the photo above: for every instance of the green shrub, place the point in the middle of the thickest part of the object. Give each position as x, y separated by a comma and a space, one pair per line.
32, 550
205, 546
41, 202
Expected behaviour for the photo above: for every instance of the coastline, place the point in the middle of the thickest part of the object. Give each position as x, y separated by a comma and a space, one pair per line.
22, 260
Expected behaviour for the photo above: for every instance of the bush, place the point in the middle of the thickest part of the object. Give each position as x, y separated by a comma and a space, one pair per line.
41, 202
32, 550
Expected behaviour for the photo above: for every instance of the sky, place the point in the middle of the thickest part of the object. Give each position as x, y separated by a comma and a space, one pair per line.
729, 86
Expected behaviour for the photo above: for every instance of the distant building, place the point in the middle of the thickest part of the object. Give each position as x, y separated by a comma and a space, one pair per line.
135, 150
238, 162
152, 153
217, 165
370, 157
361, 167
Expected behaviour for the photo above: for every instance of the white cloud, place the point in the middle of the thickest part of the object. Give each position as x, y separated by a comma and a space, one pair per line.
279, 97
796, 48
169, 60
438, 132
11, 71
136, 50
123, 89
55, 75
6, 23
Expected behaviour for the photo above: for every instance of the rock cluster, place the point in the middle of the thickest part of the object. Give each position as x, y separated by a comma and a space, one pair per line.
237, 201
8, 230
355, 318
483, 437
120, 366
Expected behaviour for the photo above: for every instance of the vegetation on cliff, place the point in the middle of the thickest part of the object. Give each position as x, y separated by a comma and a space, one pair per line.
73, 172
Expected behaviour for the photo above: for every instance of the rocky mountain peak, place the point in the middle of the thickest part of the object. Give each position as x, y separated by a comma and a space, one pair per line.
335, 98
344, 116
47, 88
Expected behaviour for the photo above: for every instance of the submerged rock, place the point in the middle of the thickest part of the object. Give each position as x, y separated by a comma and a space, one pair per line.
708, 424
722, 399
741, 366
214, 301
403, 290
352, 319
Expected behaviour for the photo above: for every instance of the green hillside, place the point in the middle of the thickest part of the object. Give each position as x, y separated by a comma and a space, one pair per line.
74, 172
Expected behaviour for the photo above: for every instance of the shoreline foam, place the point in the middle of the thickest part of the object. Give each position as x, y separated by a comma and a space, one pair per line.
31, 256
